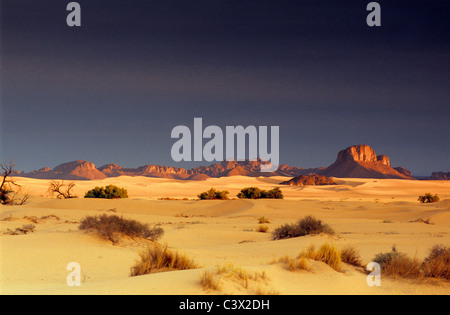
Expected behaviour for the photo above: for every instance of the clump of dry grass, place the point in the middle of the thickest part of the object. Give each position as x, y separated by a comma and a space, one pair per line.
351, 256
209, 281
437, 264
398, 265
262, 228
244, 279
295, 264
158, 258
327, 253
263, 220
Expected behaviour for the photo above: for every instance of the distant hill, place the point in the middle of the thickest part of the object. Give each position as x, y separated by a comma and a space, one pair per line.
76, 170
440, 176
360, 161
309, 180
84, 170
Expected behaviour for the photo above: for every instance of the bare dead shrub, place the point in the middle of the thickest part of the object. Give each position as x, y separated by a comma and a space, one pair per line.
62, 190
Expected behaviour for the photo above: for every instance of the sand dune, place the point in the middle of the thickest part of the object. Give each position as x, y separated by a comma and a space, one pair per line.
216, 233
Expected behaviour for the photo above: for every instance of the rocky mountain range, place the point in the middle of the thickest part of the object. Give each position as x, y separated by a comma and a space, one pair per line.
359, 161
84, 170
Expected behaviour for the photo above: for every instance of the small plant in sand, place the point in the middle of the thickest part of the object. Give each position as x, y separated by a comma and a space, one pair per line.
351, 256
113, 227
108, 192
263, 220
61, 189
437, 264
209, 281
9, 189
262, 228
25, 229
428, 198
213, 194
159, 258
399, 265
306, 226
327, 253
294, 264
255, 282
257, 193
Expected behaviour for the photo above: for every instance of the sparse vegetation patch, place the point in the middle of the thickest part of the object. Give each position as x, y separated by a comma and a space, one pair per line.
306, 226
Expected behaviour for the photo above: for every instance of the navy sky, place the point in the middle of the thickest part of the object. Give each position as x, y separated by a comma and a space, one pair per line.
112, 90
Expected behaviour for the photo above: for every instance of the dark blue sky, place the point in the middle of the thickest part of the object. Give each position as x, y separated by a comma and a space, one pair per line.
112, 90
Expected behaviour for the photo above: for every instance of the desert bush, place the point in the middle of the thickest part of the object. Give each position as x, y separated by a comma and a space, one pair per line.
275, 193
158, 258
108, 192
257, 193
25, 229
428, 198
57, 187
213, 194
9, 189
110, 227
250, 193
351, 256
397, 264
437, 264
306, 226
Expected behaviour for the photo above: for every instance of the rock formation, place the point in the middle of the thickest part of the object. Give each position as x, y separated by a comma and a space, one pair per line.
84, 170
360, 161
440, 176
305, 180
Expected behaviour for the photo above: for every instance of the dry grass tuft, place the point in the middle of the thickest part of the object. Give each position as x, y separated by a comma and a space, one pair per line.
437, 264
351, 256
263, 220
294, 264
327, 253
238, 276
262, 228
209, 281
158, 258
398, 265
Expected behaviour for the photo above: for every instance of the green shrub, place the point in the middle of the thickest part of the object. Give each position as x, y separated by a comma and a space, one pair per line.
250, 193
275, 193
306, 226
213, 194
428, 198
257, 193
108, 192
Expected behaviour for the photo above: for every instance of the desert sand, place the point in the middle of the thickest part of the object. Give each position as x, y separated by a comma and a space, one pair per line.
371, 215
